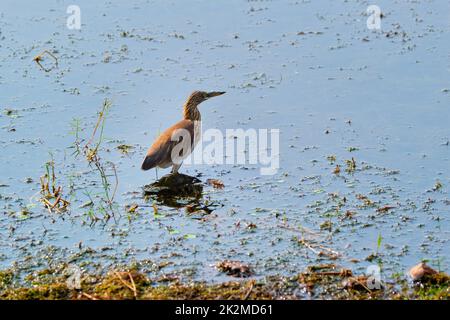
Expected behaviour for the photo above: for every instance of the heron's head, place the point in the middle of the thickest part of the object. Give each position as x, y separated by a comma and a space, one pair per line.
198, 97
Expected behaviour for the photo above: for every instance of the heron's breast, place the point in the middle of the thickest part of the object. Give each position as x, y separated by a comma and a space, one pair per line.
197, 133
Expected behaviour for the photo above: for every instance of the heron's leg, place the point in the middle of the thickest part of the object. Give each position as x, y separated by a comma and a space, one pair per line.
175, 167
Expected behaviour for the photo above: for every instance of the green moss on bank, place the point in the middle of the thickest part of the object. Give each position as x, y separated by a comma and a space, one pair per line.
132, 284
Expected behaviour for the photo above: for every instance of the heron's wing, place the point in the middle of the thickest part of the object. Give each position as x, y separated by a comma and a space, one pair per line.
159, 154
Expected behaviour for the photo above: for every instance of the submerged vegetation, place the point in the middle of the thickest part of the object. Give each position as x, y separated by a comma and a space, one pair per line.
91, 153
90, 149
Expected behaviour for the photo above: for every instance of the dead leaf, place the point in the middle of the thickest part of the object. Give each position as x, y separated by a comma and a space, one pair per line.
215, 183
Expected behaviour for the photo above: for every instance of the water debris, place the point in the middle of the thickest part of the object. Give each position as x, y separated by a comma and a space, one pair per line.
40, 57
327, 225
318, 249
11, 113
351, 165
215, 183
320, 275
337, 169
124, 148
331, 158
303, 33
106, 57
366, 201
177, 36
385, 209
359, 283
437, 186
234, 268
132, 208
251, 226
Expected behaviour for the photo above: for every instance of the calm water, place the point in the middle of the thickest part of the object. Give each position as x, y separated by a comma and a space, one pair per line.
309, 68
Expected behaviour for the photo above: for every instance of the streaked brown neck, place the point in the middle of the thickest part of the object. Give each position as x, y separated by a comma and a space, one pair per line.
190, 111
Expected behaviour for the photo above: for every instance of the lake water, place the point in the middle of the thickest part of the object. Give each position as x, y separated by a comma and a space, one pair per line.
311, 69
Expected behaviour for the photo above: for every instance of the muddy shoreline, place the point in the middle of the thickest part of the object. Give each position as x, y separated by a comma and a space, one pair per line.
317, 282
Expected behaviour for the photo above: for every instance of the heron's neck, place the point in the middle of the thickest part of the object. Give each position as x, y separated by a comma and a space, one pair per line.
190, 111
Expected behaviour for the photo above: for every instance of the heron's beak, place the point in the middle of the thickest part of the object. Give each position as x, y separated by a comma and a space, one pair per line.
215, 94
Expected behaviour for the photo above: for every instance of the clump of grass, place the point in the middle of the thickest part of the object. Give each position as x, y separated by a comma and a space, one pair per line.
51, 193
124, 284
91, 147
351, 165
104, 169
6, 279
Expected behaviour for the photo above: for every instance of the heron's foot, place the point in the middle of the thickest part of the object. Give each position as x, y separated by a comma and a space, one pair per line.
175, 168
